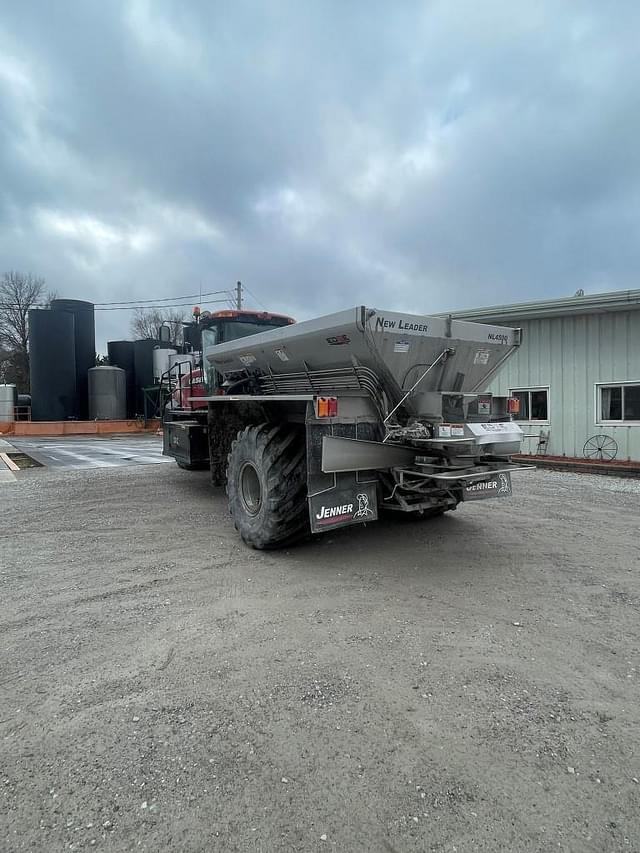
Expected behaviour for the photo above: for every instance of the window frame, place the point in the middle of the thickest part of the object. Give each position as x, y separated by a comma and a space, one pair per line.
530, 388
597, 389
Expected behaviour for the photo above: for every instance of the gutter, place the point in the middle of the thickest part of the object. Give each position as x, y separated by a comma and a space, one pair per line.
597, 303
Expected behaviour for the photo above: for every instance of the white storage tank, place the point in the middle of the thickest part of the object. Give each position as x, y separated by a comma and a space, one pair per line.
8, 398
107, 394
161, 365
180, 363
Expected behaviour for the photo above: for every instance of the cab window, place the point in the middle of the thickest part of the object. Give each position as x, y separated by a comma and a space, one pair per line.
210, 338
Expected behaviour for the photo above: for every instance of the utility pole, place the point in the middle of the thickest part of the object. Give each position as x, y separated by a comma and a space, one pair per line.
239, 295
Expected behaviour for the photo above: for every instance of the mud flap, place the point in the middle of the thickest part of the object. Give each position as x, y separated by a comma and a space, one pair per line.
348, 502
497, 486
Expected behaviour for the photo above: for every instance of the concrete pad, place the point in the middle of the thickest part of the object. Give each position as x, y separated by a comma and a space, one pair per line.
92, 451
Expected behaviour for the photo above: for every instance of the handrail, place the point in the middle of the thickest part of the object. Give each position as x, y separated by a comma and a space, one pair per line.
22, 413
170, 376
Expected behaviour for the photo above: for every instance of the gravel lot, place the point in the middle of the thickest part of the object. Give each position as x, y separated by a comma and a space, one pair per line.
467, 683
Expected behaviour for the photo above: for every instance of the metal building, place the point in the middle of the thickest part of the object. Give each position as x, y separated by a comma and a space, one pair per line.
577, 373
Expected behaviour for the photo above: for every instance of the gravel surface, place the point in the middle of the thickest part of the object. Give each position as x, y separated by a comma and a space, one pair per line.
466, 683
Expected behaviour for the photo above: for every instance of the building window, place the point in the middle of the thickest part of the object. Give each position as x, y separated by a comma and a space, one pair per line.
620, 402
534, 404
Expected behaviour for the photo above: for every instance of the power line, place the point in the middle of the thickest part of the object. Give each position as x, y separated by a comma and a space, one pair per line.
16, 305
151, 307
144, 304
255, 298
161, 298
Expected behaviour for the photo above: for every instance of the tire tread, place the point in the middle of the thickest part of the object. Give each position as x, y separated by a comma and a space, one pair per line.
279, 454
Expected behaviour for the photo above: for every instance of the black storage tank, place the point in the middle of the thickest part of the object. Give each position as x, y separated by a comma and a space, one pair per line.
121, 354
143, 361
85, 346
52, 363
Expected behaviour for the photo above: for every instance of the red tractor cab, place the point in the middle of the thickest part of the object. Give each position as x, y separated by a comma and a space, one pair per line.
210, 329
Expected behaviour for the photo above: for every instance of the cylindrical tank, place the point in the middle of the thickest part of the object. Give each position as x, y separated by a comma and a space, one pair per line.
107, 394
8, 398
180, 363
161, 363
143, 362
121, 354
85, 346
52, 362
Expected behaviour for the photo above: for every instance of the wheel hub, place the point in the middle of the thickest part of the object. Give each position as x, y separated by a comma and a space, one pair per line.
250, 489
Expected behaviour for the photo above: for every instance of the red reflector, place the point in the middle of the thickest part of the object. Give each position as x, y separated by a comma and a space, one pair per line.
327, 407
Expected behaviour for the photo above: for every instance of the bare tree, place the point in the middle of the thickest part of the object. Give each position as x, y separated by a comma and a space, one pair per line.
146, 323
19, 292
7, 366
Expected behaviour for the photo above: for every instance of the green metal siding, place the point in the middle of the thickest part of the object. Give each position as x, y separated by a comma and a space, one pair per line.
571, 354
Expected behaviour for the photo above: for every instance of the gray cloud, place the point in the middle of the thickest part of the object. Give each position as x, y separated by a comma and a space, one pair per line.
419, 156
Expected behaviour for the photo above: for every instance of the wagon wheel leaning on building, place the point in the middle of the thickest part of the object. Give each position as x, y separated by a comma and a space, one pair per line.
601, 447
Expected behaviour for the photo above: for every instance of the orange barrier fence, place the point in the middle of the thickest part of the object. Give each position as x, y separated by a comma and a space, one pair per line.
53, 428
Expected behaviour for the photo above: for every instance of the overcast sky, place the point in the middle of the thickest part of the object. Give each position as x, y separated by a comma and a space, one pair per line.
418, 156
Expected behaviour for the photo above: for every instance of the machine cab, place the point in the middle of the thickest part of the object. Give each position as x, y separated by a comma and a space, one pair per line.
184, 422
223, 326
